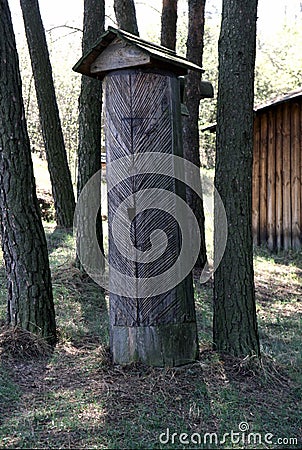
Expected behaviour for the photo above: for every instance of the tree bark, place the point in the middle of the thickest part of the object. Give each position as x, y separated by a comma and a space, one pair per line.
90, 108
62, 188
169, 24
126, 16
190, 123
30, 301
235, 322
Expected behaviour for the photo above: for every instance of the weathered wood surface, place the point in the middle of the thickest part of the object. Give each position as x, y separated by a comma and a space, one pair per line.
277, 187
143, 115
118, 55
255, 182
263, 180
279, 153
271, 170
286, 185
160, 57
296, 150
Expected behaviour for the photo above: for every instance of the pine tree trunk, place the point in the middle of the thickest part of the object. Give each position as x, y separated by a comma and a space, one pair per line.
168, 24
190, 123
30, 302
49, 114
90, 109
126, 16
235, 322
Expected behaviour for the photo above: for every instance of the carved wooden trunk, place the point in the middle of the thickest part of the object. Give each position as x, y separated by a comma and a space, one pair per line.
142, 114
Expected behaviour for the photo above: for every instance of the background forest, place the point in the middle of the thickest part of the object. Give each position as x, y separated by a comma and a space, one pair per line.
278, 60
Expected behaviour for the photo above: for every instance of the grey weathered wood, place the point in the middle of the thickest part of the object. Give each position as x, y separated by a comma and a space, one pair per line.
255, 182
160, 57
162, 345
263, 180
271, 174
143, 115
118, 55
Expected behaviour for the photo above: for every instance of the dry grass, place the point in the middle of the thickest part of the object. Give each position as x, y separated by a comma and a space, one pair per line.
22, 344
76, 398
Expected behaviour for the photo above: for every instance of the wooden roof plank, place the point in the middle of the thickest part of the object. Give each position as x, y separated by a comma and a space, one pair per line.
159, 56
278, 100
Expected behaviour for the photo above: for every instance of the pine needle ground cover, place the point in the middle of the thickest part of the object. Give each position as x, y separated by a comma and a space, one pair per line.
74, 397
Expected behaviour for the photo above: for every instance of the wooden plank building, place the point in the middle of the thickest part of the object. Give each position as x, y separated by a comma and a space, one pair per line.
276, 194
277, 172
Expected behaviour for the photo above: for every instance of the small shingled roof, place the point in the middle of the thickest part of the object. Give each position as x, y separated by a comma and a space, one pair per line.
158, 53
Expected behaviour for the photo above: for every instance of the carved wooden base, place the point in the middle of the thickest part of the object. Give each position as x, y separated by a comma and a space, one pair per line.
162, 346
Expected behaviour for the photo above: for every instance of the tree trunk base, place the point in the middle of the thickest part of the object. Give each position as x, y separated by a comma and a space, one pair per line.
161, 346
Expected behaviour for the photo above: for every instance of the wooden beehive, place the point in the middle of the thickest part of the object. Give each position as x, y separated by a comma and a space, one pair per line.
143, 114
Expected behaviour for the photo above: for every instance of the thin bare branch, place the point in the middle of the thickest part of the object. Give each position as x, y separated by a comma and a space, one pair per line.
64, 26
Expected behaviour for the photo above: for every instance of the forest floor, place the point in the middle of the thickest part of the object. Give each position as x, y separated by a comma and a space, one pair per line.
75, 397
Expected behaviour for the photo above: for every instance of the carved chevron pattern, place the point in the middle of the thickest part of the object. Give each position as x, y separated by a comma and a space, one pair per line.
139, 119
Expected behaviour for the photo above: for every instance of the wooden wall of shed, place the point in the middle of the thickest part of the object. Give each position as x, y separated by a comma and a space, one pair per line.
277, 211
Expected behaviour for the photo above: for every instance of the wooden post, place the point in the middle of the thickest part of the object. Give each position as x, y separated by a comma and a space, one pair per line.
296, 175
271, 174
286, 197
263, 180
142, 113
255, 182
152, 312
279, 178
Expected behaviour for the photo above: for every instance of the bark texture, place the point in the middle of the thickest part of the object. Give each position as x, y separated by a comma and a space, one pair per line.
126, 15
30, 301
235, 322
62, 188
169, 24
90, 107
190, 123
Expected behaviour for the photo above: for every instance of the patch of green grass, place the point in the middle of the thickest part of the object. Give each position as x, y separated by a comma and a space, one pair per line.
204, 313
9, 391
80, 304
279, 306
77, 399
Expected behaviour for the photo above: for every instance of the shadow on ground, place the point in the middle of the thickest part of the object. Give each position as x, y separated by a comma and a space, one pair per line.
78, 399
